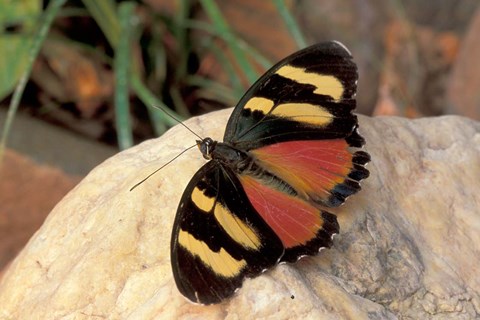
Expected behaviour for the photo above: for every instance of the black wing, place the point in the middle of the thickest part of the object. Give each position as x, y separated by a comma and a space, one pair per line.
218, 238
307, 96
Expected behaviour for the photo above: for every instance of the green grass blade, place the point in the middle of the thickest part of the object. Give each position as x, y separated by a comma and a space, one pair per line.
42, 31
221, 25
254, 53
291, 24
216, 90
122, 67
18, 21
181, 38
235, 82
105, 14
150, 100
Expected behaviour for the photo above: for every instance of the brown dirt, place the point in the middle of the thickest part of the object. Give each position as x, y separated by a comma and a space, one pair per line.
28, 192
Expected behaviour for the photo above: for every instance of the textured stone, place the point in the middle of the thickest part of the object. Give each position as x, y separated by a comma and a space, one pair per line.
409, 245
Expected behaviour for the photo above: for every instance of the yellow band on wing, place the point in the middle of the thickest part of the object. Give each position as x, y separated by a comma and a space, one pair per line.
238, 230
300, 112
304, 112
202, 202
326, 84
259, 104
221, 263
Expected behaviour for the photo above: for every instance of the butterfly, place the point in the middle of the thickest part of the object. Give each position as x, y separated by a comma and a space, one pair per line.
263, 198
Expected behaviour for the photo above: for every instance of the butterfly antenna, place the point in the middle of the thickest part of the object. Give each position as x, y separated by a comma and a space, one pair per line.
166, 164
178, 120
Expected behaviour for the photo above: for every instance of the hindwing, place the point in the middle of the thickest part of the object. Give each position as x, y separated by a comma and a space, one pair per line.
218, 238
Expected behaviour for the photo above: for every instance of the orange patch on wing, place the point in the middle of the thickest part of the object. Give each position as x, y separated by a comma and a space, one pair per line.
293, 220
312, 167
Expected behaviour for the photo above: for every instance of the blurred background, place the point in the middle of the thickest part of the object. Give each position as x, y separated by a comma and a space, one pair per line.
82, 79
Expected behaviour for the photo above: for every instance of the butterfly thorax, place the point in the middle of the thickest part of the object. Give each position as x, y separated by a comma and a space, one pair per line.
225, 154
241, 162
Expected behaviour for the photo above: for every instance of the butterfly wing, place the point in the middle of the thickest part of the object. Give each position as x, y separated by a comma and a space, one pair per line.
218, 238
296, 121
307, 96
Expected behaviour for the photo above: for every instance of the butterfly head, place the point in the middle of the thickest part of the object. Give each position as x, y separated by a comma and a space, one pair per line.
206, 147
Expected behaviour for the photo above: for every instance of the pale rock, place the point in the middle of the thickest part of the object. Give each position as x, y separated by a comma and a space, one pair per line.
409, 245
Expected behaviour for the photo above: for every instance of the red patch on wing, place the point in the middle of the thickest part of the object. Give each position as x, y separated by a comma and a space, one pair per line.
294, 221
312, 167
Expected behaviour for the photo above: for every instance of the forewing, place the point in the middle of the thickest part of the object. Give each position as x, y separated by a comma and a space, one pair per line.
218, 238
307, 96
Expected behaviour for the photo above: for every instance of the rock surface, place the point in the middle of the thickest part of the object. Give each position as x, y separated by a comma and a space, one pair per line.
409, 245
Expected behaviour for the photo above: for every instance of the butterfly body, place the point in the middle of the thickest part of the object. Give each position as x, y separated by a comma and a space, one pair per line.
263, 197
224, 154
